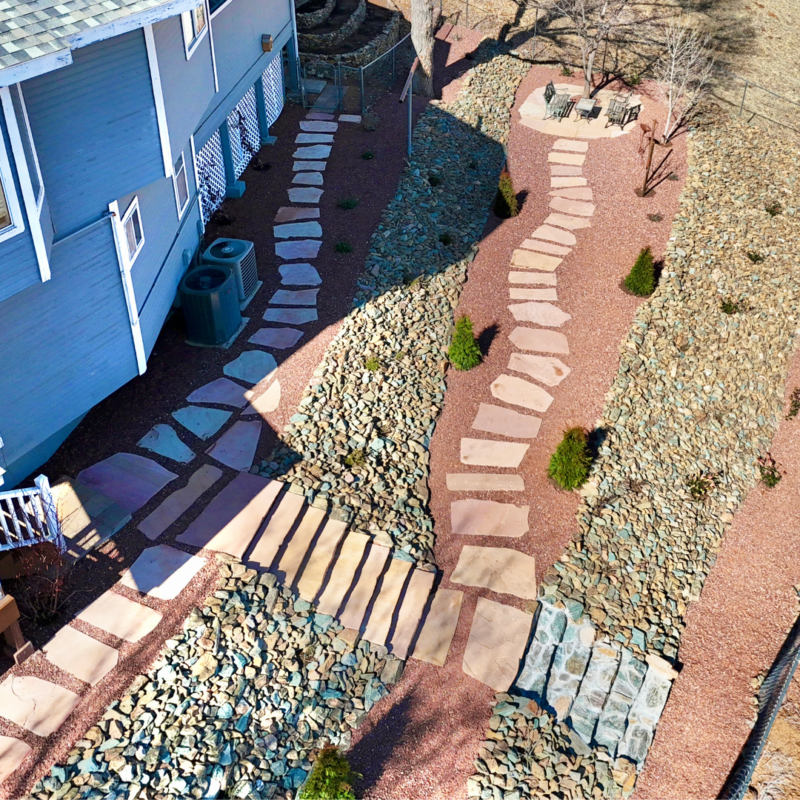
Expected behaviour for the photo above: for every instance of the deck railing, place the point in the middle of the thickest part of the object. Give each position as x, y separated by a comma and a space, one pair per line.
28, 517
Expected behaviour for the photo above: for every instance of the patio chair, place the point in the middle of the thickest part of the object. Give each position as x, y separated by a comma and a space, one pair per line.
618, 109
556, 104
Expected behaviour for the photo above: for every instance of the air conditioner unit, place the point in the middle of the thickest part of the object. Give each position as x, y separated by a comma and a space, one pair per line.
240, 257
210, 304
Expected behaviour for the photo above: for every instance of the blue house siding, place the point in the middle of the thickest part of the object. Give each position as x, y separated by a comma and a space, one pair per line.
94, 125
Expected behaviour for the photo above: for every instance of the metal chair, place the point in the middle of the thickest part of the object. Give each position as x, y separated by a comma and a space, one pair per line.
556, 104
618, 109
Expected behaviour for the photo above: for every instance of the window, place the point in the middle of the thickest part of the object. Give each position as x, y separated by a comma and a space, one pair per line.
181, 184
134, 235
195, 25
11, 222
5, 214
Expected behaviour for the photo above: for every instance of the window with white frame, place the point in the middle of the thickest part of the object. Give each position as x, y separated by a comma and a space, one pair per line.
181, 185
132, 227
195, 25
11, 222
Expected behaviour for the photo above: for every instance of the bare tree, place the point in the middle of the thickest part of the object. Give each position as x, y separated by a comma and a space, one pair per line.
683, 71
422, 37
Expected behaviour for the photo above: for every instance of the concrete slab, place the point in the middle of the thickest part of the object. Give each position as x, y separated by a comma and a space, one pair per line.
506, 422
318, 114
288, 214
484, 482
38, 706
299, 248
566, 221
349, 117
162, 572
383, 610
267, 402
532, 277
290, 316
162, 440
298, 229
574, 193
222, 391
566, 182
486, 518
279, 525
356, 606
488, 453
532, 294
576, 208
299, 275
298, 546
308, 179
313, 138
439, 627
571, 145
80, 655
545, 247
309, 166
557, 235
304, 194
496, 644
499, 569
420, 586
277, 338
127, 479
525, 259
252, 366
574, 159
179, 502
300, 297
318, 127
539, 314
344, 571
202, 422
545, 369
539, 340
519, 392
120, 616
234, 516
313, 574
236, 448
561, 169
315, 151
12, 753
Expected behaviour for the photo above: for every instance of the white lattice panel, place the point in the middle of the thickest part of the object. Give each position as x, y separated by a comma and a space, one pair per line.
211, 176
272, 79
244, 133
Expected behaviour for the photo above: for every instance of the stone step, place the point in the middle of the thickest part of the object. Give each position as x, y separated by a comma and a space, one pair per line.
318, 126
489, 453
304, 194
299, 275
12, 753
483, 482
252, 366
506, 422
499, 569
595, 687
566, 221
487, 518
312, 166
574, 193
366, 582
289, 214
290, 316
558, 235
222, 391
313, 574
519, 392
163, 441
418, 591
313, 152
516, 293
313, 138
540, 340
545, 369
297, 297
291, 230
383, 609
309, 179
561, 169
120, 616
297, 548
279, 524
344, 571
525, 259
277, 338
266, 402
559, 182
202, 422
575, 208
539, 314
532, 278
161, 572
569, 665
551, 623
439, 627
541, 246
236, 448
80, 655
298, 248
572, 159
571, 145
38, 706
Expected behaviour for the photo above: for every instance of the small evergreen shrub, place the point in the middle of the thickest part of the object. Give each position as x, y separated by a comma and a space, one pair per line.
770, 474
343, 247
368, 155
356, 458
569, 465
446, 239
566, 70
641, 280
700, 485
734, 306
794, 403
434, 180
464, 352
756, 258
635, 79
505, 202
655, 217
348, 203
673, 176
372, 364
331, 777
773, 209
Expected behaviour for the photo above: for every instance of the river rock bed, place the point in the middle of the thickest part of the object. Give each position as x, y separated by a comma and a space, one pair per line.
359, 441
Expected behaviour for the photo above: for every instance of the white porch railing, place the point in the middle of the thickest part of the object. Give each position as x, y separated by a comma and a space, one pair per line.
28, 517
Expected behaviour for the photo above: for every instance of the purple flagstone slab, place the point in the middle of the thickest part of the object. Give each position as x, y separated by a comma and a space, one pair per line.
315, 166
292, 229
305, 194
316, 126
315, 151
202, 422
163, 440
308, 179
236, 448
313, 138
162, 572
252, 366
291, 316
289, 214
300, 248
301, 297
278, 338
222, 391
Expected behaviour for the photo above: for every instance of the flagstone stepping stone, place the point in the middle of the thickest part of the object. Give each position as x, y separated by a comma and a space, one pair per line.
252, 366
290, 316
313, 138
310, 179
532, 294
571, 145
266, 402
290, 229
80, 655
222, 391
279, 525
564, 183
545, 247
565, 221
574, 207
532, 277
499, 569
277, 338
202, 422
162, 572
561, 169
236, 448
301, 297
231, 520
127, 479
409, 617
349, 117
488, 453
574, 159
484, 482
179, 502
540, 314
319, 115
38, 706
518, 392
299, 275
309, 166
315, 151
557, 235
545, 369
121, 617
318, 127
380, 617
497, 641
299, 545
304, 194
299, 248
356, 607
344, 571
288, 214
487, 518
506, 422
313, 574
12, 753
162, 440
577, 193
525, 259
439, 627
541, 340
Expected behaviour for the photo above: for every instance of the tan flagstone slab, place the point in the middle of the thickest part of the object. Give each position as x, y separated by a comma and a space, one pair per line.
484, 482
266, 402
313, 152
309, 179
565, 221
506, 422
344, 571
287, 230
304, 194
289, 214
279, 338
532, 294
233, 517
573, 159
222, 391
574, 207
564, 169
380, 617
309, 166
120, 616
298, 546
294, 297
539, 314
497, 642
540, 340
236, 448
38, 706
353, 614
571, 145
488, 453
315, 126
546, 247
566, 182
12, 753
487, 518
525, 259
278, 527
433, 642
557, 235
313, 574
313, 138
500, 569
418, 591
519, 392
162, 572
80, 655
545, 369
532, 277
574, 193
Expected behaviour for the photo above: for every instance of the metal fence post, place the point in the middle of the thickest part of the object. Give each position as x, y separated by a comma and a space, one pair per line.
410, 111
393, 52
744, 94
363, 102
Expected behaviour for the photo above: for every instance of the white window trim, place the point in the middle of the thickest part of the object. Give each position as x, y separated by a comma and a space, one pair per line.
158, 98
190, 41
10, 193
128, 257
181, 210
217, 10
40, 196
197, 180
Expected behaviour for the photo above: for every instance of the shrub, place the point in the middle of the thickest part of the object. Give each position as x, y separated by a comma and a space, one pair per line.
566, 70
673, 176
356, 458
343, 247
635, 79
446, 239
756, 258
770, 474
368, 155
700, 485
434, 180
505, 202
641, 280
348, 203
464, 352
655, 217
372, 364
794, 403
569, 465
734, 306
331, 777
773, 209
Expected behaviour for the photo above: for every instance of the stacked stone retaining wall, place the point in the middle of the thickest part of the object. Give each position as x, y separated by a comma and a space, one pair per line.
311, 42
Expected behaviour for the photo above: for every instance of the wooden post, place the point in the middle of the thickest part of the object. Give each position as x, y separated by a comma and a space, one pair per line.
50, 512
9, 624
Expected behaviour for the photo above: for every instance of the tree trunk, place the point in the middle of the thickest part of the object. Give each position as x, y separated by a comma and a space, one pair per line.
422, 37
587, 72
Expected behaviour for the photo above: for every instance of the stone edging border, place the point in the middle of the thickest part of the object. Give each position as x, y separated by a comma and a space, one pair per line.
314, 18
320, 41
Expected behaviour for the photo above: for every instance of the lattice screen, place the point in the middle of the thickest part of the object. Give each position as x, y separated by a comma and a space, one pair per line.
244, 132
211, 176
272, 79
